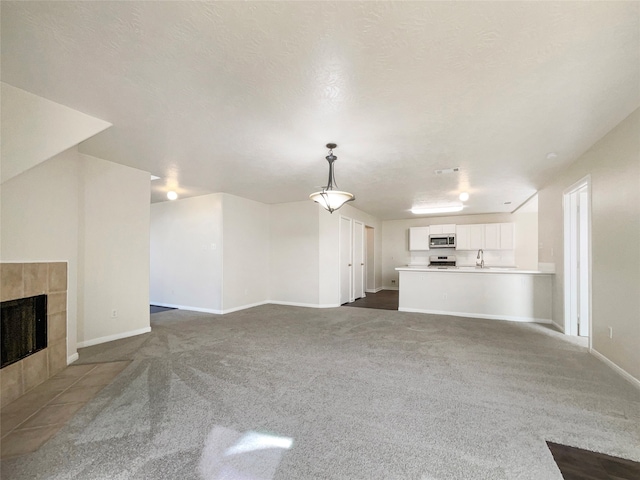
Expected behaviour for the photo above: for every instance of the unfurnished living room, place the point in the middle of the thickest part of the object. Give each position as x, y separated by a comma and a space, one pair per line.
320, 240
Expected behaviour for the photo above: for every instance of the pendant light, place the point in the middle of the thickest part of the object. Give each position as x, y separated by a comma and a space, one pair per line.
329, 198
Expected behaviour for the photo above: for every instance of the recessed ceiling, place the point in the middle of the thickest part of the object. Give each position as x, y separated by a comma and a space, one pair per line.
242, 97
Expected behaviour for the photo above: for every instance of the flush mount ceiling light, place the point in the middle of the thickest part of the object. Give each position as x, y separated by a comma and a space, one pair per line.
464, 196
172, 195
329, 198
447, 209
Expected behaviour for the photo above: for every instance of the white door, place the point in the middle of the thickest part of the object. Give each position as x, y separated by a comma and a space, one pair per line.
346, 260
583, 263
576, 260
358, 260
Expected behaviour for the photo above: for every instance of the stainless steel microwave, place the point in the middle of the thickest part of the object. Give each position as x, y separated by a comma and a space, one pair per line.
442, 240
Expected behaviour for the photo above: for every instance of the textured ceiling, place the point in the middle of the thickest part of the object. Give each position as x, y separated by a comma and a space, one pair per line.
241, 97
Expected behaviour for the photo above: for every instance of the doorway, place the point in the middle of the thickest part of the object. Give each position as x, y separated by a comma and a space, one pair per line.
577, 259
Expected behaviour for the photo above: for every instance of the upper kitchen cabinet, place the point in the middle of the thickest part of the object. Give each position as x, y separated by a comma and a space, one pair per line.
489, 236
469, 237
507, 236
499, 236
438, 229
492, 236
419, 238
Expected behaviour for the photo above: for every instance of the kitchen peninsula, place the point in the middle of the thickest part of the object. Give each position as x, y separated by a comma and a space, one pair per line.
494, 293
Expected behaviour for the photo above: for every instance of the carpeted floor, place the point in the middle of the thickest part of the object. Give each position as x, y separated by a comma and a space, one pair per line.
347, 393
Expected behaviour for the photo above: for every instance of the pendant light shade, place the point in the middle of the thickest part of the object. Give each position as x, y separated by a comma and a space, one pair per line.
329, 198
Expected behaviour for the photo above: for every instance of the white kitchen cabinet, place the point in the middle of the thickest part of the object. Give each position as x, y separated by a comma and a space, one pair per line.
469, 237
499, 236
491, 236
439, 229
488, 236
462, 237
419, 238
476, 236
507, 236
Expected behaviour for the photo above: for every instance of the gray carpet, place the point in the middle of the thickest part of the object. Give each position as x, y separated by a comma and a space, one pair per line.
293, 393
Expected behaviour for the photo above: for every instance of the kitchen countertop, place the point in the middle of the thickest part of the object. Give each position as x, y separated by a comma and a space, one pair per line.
463, 269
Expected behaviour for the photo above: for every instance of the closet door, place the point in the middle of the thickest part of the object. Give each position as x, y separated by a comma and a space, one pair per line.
346, 260
358, 259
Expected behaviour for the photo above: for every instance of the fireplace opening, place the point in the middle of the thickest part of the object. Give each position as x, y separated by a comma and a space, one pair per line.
23, 328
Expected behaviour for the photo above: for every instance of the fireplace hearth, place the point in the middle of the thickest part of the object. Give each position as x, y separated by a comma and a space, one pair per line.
23, 328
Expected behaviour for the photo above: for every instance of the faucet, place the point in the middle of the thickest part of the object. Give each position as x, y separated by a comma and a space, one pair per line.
480, 259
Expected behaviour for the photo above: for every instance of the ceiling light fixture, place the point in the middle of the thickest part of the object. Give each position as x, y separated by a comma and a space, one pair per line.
172, 195
464, 196
448, 209
329, 198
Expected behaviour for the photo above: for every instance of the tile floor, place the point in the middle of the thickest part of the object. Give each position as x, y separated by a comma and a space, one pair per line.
28, 422
578, 464
384, 299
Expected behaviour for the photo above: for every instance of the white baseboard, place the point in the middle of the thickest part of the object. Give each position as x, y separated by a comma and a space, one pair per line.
390, 288
111, 338
307, 305
72, 358
374, 290
187, 307
244, 307
560, 329
478, 315
619, 370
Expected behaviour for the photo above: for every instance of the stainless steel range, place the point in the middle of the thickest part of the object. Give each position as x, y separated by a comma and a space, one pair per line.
442, 261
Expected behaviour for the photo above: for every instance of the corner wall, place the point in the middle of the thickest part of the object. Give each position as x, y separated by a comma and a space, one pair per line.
114, 251
187, 253
92, 214
614, 166
295, 254
39, 223
246, 253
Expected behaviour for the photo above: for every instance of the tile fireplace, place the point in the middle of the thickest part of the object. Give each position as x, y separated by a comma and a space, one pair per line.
23, 281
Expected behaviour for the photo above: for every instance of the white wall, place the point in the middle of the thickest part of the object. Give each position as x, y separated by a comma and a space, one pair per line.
285, 253
34, 129
94, 215
526, 224
246, 239
40, 223
614, 166
114, 251
329, 256
370, 283
295, 253
186, 253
